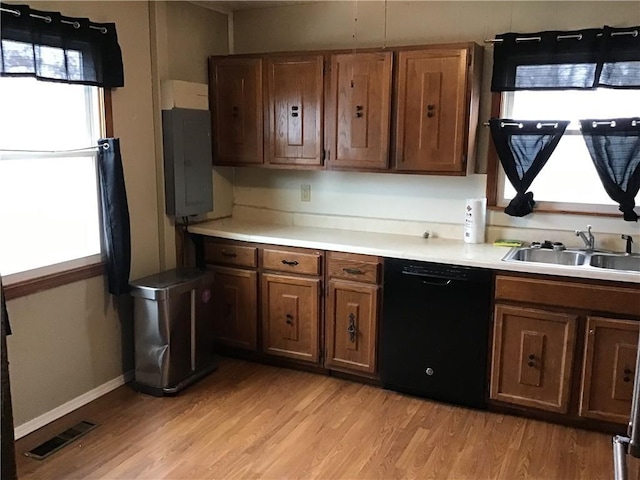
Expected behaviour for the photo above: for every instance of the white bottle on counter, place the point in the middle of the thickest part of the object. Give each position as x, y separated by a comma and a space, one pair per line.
475, 220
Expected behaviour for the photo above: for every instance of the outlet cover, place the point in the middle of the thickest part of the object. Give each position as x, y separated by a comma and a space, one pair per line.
305, 193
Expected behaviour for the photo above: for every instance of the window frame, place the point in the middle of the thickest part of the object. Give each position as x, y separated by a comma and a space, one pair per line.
71, 271
493, 176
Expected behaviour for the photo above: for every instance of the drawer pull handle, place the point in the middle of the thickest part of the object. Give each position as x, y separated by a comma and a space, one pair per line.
353, 271
289, 319
230, 255
351, 329
290, 263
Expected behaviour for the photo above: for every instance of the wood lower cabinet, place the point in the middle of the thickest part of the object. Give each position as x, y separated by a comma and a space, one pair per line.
234, 292
352, 310
235, 97
559, 347
608, 369
291, 316
234, 297
359, 110
533, 357
294, 119
352, 326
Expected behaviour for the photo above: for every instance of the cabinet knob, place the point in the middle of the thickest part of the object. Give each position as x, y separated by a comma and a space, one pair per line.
592, 331
429, 371
627, 371
531, 364
626, 379
532, 357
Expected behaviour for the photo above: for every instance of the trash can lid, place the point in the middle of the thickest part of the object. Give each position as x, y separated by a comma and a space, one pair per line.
161, 285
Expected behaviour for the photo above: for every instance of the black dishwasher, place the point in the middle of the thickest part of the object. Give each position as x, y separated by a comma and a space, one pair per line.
435, 330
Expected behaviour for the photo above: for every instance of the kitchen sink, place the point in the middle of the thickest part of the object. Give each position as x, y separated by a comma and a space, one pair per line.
575, 258
616, 262
540, 255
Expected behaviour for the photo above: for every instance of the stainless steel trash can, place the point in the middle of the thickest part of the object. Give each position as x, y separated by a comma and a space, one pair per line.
172, 333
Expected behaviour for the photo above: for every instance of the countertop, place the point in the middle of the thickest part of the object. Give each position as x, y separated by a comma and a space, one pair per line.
438, 250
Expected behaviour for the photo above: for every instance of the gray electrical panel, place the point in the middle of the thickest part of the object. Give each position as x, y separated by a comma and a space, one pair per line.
188, 180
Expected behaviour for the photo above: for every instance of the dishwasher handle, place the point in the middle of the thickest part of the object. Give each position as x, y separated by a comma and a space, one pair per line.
438, 281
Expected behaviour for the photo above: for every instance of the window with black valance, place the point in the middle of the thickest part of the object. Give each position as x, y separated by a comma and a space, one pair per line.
53, 47
588, 60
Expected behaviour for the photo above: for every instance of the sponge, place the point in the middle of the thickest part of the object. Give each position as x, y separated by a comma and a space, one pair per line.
501, 242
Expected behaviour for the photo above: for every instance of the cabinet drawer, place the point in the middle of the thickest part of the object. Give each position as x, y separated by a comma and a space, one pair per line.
306, 262
584, 296
240, 255
350, 266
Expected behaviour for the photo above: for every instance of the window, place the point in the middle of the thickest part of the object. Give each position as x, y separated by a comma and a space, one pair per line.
49, 208
569, 181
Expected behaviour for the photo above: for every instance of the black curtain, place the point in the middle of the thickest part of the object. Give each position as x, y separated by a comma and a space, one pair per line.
52, 47
560, 60
116, 229
8, 464
524, 146
614, 145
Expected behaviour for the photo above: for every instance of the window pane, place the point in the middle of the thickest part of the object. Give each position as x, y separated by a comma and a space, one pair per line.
569, 176
49, 208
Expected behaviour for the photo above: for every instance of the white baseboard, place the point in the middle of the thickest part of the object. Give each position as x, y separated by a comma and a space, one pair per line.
68, 407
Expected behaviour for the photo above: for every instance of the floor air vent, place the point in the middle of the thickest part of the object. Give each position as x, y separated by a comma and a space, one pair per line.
54, 444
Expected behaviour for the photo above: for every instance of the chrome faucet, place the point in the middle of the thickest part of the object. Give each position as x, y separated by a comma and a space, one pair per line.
588, 239
629, 240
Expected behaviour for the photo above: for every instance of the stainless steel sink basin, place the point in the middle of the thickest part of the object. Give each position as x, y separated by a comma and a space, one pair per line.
575, 258
541, 255
616, 262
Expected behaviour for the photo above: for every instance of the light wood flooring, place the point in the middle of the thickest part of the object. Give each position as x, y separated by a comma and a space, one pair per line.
255, 421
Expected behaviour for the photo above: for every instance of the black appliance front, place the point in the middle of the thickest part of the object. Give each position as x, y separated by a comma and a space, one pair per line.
435, 331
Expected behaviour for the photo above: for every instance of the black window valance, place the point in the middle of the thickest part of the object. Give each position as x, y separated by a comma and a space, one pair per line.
560, 60
614, 145
52, 47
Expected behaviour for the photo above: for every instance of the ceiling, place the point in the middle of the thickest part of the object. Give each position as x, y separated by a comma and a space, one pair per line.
231, 6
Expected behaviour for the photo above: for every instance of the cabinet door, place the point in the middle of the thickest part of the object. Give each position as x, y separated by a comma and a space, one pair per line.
360, 108
234, 300
290, 316
608, 369
352, 326
532, 357
431, 124
294, 121
235, 92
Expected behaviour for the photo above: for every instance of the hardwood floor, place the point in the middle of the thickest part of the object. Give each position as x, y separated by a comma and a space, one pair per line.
255, 421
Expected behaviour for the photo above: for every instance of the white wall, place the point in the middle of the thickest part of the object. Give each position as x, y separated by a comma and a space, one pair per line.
327, 25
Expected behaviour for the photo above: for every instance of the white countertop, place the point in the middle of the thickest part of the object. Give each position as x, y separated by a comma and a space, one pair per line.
438, 250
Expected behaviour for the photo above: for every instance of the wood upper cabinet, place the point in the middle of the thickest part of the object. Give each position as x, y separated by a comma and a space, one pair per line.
359, 108
291, 316
608, 369
235, 96
294, 110
432, 111
234, 299
532, 357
